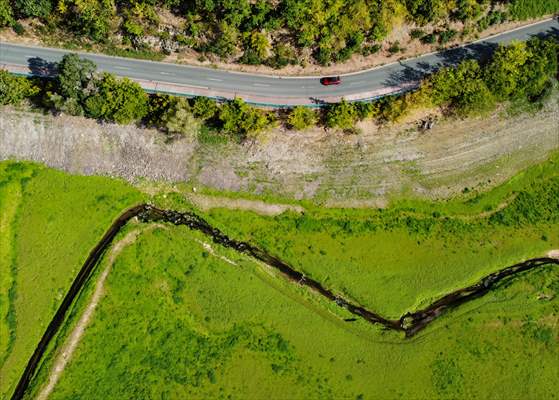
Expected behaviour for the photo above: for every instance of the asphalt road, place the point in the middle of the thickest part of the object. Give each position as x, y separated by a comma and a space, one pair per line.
271, 89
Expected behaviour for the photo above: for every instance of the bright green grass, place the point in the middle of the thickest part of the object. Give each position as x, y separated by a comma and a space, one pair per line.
414, 251
59, 220
178, 322
11, 177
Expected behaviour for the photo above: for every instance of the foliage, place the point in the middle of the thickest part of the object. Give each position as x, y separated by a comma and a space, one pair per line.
342, 115
72, 213
179, 118
204, 108
525, 9
118, 100
425, 11
33, 8
91, 18
14, 89
74, 83
242, 121
301, 117
275, 33
6, 14
462, 88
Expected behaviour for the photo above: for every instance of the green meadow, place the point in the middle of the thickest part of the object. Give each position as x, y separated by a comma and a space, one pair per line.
49, 222
413, 251
178, 320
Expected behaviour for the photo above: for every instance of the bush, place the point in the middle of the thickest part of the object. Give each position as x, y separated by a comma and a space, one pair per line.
342, 115
118, 100
416, 34
6, 14
447, 36
395, 48
368, 50
526, 9
301, 117
179, 118
14, 89
429, 38
242, 121
33, 8
204, 108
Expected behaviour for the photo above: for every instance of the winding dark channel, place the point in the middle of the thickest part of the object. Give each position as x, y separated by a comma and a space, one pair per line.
409, 323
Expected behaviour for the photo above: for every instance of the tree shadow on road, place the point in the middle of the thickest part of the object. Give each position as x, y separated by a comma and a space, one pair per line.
41, 67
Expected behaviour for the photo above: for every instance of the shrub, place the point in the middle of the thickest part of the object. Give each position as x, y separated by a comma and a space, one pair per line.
429, 38
301, 117
368, 50
416, 34
6, 14
14, 89
118, 100
395, 48
204, 108
447, 36
342, 115
179, 118
525, 9
242, 121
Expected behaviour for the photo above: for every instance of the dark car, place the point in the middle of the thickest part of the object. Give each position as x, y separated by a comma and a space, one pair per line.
331, 80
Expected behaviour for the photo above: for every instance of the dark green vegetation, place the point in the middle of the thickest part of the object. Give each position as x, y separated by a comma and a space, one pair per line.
276, 33
522, 74
48, 223
180, 321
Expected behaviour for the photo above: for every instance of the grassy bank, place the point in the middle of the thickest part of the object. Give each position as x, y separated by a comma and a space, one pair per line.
180, 321
215, 329
417, 249
58, 220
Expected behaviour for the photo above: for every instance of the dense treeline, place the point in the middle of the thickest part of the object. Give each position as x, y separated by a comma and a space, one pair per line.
276, 33
522, 73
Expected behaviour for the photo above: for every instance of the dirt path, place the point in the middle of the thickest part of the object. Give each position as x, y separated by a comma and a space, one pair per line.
73, 340
206, 203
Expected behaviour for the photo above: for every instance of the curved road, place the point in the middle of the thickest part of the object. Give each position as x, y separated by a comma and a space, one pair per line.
264, 89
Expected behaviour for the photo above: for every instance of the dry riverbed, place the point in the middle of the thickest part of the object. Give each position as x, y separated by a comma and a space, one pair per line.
332, 168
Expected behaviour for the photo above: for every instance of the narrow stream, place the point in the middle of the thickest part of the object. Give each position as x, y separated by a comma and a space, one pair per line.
409, 323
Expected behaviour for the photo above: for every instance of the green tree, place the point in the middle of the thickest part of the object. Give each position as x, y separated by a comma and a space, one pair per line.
158, 105
301, 117
91, 18
425, 11
505, 71
6, 14
13, 89
118, 100
179, 118
241, 120
204, 108
33, 8
342, 115
74, 76
461, 87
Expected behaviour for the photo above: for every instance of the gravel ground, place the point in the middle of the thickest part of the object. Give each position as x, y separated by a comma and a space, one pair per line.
332, 168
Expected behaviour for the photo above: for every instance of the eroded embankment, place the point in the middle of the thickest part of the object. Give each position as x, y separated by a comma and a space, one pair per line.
410, 323
341, 170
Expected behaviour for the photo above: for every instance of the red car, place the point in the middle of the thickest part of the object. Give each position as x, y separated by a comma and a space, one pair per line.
331, 80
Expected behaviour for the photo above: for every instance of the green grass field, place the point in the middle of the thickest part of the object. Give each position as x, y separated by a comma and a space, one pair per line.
216, 330
49, 222
179, 322
414, 251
